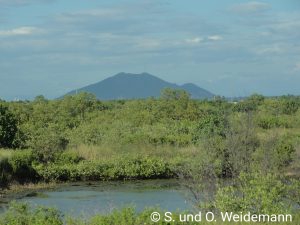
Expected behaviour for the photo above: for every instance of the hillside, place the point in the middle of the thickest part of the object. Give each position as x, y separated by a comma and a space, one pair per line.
133, 86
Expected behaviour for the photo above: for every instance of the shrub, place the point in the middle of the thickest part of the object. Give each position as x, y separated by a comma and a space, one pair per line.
256, 193
5, 172
67, 158
21, 163
284, 152
212, 124
272, 121
8, 128
21, 213
136, 168
47, 142
289, 106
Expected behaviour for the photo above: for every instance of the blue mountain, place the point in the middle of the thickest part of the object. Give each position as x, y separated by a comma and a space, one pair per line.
137, 86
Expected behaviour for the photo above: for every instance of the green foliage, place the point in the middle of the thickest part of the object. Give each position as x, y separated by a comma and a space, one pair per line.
212, 124
20, 213
8, 128
67, 157
47, 142
294, 191
244, 106
21, 164
53, 125
274, 155
256, 99
230, 136
289, 106
174, 94
284, 152
5, 172
273, 121
241, 142
17, 166
250, 142
121, 169
80, 104
249, 104
125, 216
256, 193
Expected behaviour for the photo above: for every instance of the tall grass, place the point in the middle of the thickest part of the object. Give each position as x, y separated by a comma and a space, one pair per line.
114, 151
5, 153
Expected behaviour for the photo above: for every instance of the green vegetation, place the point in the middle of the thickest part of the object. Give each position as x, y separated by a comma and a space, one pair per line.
246, 153
23, 214
8, 128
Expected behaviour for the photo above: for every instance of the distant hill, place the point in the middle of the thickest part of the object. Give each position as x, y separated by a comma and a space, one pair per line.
133, 86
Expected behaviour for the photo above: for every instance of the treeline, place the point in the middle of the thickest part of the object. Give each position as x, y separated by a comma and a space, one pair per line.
173, 119
232, 130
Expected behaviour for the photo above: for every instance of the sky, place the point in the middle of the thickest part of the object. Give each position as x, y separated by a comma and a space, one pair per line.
231, 48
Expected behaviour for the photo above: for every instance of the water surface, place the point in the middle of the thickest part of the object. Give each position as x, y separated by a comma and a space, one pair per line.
103, 197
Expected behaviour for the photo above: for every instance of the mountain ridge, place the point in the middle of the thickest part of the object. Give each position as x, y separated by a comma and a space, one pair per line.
137, 86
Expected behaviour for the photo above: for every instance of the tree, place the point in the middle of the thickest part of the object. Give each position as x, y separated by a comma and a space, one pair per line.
255, 193
256, 99
240, 143
79, 104
174, 103
8, 128
175, 94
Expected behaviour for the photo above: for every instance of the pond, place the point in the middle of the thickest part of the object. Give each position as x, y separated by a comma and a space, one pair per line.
102, 197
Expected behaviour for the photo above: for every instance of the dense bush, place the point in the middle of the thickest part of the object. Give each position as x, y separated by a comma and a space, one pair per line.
67, 157
47, 142
8, 128
138, 168
256, 193
289, 106
274, 121
212, 124
5, 172
21, 214
174, 119
284, 152
21, 164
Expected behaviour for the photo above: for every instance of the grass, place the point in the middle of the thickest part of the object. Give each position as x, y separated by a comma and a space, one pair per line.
105, 162
115, 154
109, 152
5, 153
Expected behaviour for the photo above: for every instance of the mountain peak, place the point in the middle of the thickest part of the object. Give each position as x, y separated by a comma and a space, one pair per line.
189, 85
134, 75
131, 86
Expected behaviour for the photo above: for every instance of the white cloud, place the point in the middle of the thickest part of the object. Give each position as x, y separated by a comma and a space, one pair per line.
84, 15
215, 38
292, 24
250, 7
18, 31
274, 49
194, 40
21, 2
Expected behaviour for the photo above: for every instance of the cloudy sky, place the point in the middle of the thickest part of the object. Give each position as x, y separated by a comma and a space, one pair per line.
230, 47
